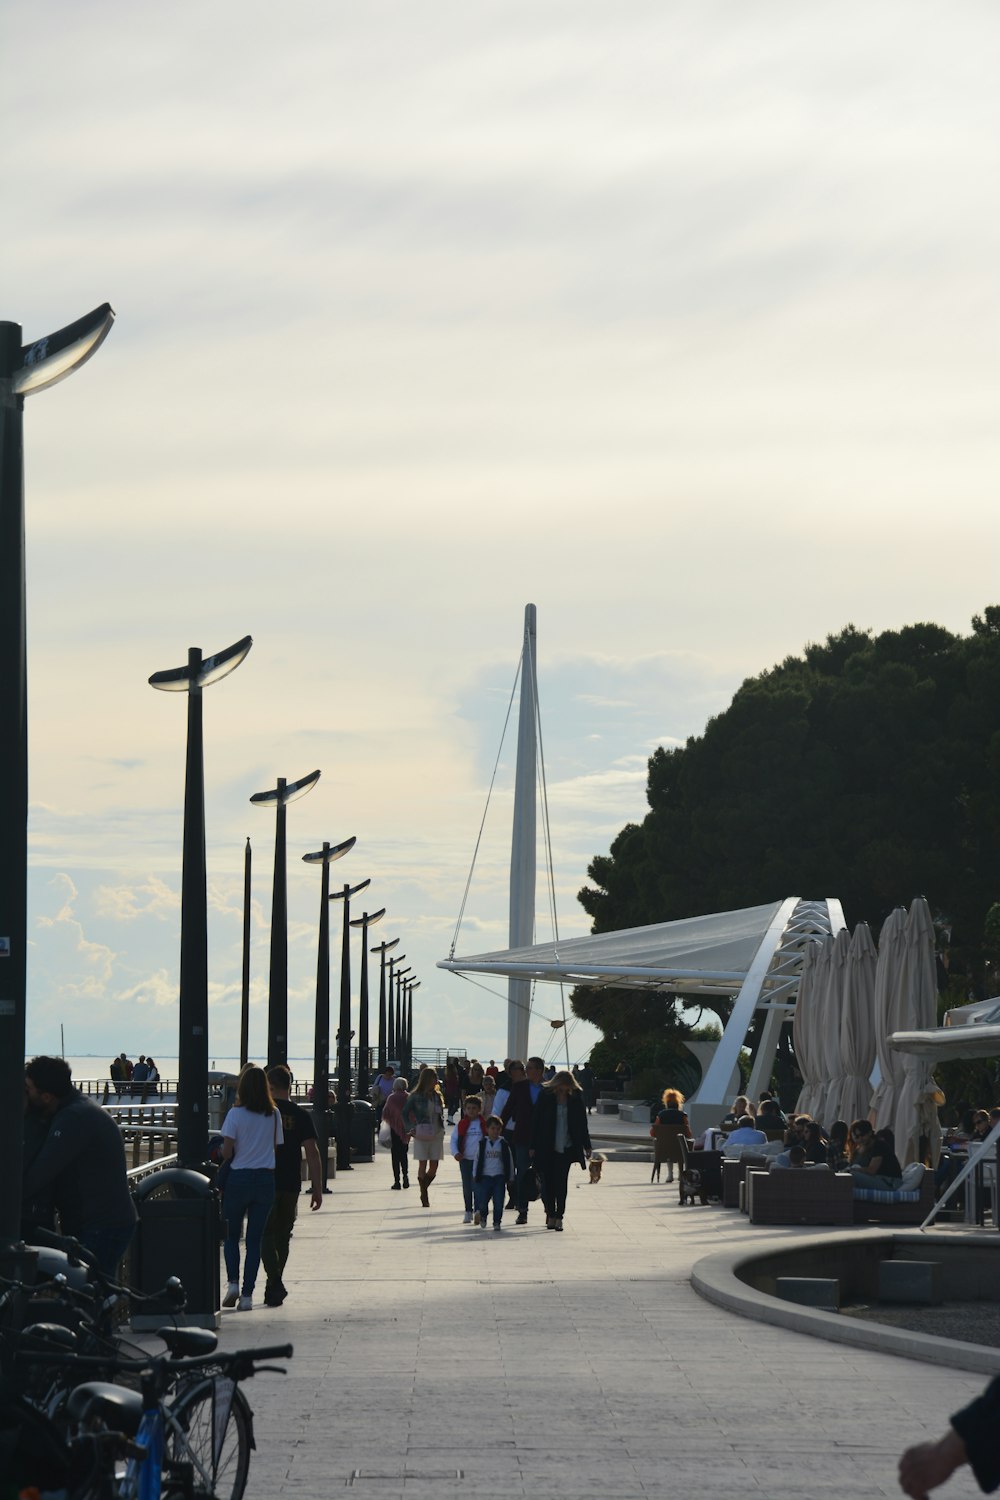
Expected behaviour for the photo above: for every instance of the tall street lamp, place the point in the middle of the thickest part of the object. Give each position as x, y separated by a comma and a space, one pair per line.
392, 1055
192, 1059
321, 1044
413, 984
400, 976
382, 949
345, 1113
366, 920
24, 369
277, 990
245, 988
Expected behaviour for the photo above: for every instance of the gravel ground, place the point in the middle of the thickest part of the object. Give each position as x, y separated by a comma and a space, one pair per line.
973, 1322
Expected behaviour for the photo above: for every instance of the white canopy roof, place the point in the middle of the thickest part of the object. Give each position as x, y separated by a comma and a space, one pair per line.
946, 1042
707, 955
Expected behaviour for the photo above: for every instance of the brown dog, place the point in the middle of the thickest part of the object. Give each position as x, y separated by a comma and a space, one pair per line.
596, 1166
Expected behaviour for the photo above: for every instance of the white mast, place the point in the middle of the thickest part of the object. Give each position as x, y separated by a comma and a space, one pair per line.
522, 849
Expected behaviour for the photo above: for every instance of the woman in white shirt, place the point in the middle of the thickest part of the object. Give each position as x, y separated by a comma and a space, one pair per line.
250, 1134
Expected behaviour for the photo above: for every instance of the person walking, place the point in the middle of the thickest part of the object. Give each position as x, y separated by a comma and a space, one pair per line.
399, 1136
559, 1138
465, 1140
299, 1134
423, 1115
519, 1108
493, 1172
80, 1166
251, 1134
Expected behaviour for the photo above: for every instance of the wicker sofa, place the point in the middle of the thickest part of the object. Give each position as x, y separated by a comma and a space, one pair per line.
880, 1207
810, 1195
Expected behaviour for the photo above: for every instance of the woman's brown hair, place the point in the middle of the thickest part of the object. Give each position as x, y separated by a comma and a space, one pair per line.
253, 1092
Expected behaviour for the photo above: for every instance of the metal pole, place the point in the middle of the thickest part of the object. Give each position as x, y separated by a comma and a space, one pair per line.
277, 995
192, 1060
321, 1043
381, 1010
522, 851
345, 1114
391, 1023
14, 780
245, 998
364, 1061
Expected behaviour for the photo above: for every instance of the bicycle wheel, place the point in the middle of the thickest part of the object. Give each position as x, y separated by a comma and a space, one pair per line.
215, 1435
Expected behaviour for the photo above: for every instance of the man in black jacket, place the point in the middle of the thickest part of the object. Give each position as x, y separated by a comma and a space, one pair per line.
81, 1165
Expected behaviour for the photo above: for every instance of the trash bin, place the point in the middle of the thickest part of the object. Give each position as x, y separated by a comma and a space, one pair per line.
362, 1130
177, 1235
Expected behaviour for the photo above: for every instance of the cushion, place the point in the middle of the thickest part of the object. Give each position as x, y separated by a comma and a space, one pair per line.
913, 1176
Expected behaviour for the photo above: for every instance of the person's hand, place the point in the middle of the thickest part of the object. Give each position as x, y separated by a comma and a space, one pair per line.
926, 1465
316, 1200
457, 1157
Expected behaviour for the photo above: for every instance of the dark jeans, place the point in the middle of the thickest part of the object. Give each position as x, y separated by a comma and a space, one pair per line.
400, 1152
491, 1189
523, 1166
466, 1166
107, 1245
249, 1195
555, 1181
276, 1240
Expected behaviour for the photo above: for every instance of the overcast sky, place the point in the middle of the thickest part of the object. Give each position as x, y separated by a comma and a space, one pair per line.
678, 320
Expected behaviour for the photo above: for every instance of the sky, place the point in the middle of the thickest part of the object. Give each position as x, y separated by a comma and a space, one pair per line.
677, 320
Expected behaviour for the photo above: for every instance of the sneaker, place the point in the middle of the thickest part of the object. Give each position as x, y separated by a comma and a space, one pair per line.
395, 1187
496, 1229
232, 1294
557, 1224
482, 1222
521, 1219
468, 1217
245, 1304
274, 1295
406, 1182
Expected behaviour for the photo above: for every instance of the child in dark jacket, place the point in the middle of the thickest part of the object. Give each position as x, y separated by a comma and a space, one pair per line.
494, 1172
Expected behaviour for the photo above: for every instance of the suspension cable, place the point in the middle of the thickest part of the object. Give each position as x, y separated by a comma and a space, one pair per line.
489, 794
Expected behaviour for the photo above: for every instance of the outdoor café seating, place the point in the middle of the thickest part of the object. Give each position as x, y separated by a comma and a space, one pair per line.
700, 1175
908, 1204
806, 1195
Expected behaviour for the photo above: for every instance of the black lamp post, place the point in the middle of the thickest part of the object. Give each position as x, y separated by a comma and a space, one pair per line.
366, 920
383, 949
245, 989
23, 371
413, 984
192, 1061
277, 993
391, 1054
344, 1112
400, 976
321, 1044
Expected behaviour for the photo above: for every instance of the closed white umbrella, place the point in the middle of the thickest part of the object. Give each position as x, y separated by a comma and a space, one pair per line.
857, 1030
887, 978
804, 1027
830, 1011
918, 1095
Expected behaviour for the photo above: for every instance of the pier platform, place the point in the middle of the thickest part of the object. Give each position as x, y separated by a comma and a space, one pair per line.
435, 1358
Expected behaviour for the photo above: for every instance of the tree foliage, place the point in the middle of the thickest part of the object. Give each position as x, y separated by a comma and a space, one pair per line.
868, 768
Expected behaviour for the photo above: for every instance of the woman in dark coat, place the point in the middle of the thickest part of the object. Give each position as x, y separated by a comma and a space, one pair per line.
559, 1138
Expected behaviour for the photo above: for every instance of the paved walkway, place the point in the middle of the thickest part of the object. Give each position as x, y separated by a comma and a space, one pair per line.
432, 1357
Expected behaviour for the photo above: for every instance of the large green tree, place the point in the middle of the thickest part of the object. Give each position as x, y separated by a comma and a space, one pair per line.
867, 768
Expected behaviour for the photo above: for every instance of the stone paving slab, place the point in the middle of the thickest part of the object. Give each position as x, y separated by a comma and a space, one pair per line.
434, 1357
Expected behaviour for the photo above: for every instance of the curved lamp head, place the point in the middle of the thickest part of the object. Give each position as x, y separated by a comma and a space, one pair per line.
350, 890
210, 669
49, 360
401, 972
369, 919
290, 792
414, 984
384, 948
336, 851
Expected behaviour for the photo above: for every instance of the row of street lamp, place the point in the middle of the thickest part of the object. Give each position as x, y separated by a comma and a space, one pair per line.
395, 1020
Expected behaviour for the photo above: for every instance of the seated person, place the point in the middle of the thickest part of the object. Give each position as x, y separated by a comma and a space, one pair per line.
873, 1158
793, 1156
836, 1146
814, 1141
769, 1114
745, 1135
741, 1107
672, 1112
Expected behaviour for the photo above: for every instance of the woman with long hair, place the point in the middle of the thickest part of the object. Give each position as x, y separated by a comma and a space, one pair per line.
559, 1138
250, 1133
423, 1114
